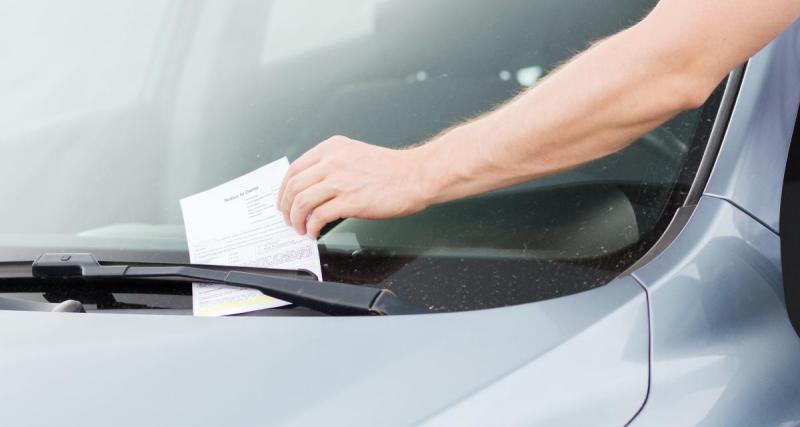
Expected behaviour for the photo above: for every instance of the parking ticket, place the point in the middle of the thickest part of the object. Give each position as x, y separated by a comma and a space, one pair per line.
238, 224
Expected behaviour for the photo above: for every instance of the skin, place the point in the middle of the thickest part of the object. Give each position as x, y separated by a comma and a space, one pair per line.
596, 104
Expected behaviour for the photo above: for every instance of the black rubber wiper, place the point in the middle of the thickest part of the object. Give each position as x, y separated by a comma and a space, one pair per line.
332, 298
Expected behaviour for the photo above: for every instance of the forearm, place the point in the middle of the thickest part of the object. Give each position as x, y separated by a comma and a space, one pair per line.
605, 98
593, 106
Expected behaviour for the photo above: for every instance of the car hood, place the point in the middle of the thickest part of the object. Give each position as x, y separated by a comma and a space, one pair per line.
555, 361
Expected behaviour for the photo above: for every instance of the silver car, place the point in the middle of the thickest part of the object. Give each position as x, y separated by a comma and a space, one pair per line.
644, 288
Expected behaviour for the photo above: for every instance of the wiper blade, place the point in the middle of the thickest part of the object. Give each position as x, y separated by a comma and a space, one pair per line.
327, 297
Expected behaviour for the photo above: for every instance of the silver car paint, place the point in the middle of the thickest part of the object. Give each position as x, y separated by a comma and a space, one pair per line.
64, 369
594, 378
749, 171
723, 346
724, 351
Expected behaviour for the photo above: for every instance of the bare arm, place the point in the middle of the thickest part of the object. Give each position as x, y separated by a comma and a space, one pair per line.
596, 104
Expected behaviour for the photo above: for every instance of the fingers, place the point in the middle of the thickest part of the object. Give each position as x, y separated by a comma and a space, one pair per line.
297, 185
326, 213
307, 160
305, 198
305, 202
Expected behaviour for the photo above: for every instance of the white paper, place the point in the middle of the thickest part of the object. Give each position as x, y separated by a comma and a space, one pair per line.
238, 224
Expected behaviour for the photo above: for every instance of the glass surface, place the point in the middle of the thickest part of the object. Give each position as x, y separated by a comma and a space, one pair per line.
113, 111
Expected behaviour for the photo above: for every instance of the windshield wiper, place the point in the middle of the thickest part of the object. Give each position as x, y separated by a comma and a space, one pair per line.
327, 297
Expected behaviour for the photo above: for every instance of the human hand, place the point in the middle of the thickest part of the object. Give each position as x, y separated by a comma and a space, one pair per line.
344, 178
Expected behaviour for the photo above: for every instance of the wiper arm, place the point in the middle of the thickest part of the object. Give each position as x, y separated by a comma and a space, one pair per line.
327, 297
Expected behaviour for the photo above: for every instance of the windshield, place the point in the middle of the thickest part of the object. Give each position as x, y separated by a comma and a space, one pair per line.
113, 111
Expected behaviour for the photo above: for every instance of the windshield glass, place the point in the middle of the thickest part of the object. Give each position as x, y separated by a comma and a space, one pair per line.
113, 111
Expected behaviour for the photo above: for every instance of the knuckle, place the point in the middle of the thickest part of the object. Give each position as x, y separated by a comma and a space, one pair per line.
318, 217
328, 162
335, 141
296, 219
300, 203
338, 162
331, 213
297, 165
292, 186
342, 185
314, 226
287, 198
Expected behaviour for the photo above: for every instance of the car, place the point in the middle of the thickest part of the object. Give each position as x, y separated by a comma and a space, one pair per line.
645, 288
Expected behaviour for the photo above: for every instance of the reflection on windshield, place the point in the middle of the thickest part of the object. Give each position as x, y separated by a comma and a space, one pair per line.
301, 27
64, 62
113, 113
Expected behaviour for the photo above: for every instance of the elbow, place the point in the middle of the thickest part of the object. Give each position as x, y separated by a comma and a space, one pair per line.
693, 80
690, 78
695, 90
685, 89
684, 73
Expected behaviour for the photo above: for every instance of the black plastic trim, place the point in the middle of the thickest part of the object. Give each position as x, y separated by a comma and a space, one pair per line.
717, 135
331, 298
703, 174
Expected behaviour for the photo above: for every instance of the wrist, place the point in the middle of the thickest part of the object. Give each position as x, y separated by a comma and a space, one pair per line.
434, 167
427, 164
